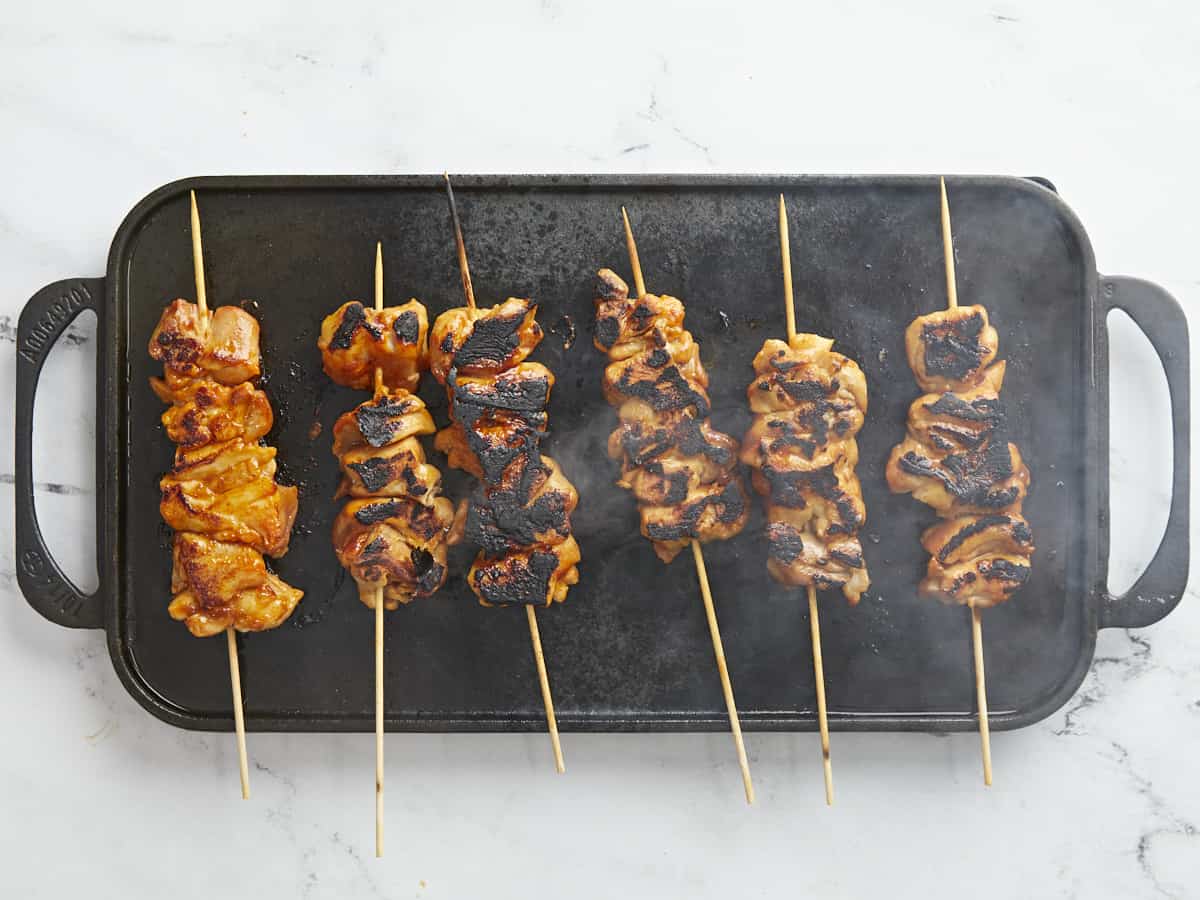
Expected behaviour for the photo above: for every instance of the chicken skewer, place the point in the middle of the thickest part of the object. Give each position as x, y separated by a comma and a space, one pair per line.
985, 737
958, 460
682, 471
391, 535
519, 515
235, 674
220, 497
808, 404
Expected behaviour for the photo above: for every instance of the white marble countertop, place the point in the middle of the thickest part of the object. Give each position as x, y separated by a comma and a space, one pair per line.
99, 799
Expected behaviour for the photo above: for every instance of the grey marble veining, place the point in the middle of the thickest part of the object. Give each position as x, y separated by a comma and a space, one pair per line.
99, 107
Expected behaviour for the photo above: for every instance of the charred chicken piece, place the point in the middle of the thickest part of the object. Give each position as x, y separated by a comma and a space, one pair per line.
977, 560
962, 420
379, 452
537, 575
682, 471
519, 516
483, 341
989, 478
797, 557
356, 339
217, 585
395, 544
226, 351
949, 349
496, 419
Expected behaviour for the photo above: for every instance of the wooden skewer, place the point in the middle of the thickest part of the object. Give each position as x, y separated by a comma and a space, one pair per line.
235, 677
535, 637
379, 388
198, 262
547, 700
464, 270
785, 248
985, 738
948, 251
710, 612
239, 722
976, 625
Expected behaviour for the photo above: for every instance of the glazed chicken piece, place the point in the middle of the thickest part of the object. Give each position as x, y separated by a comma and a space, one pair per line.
519, 516
483, 341
396, 544
217, 585
682, 471
356, 339
226, 352
228, 492
950, 349
825, 501
204, 411
798, 557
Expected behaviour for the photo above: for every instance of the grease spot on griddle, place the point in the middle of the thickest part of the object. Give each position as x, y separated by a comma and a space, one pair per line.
564, 327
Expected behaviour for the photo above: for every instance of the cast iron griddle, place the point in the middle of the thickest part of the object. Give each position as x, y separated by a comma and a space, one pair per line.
629, 650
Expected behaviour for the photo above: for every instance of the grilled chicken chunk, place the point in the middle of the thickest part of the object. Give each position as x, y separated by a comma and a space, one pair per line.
537, 575
356, 339
228, 492
797, 557
519, 516
961, 420
681, 470
204, 411
220, 497
977, 560
226, 351
394, 544
483, 341
950, 349
379, 452
989, 478
218, 585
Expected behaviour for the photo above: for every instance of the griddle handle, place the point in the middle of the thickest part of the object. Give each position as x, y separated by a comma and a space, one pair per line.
1160, 587
43, 320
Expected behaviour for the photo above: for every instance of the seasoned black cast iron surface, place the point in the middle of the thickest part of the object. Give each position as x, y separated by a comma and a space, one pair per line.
630, 647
